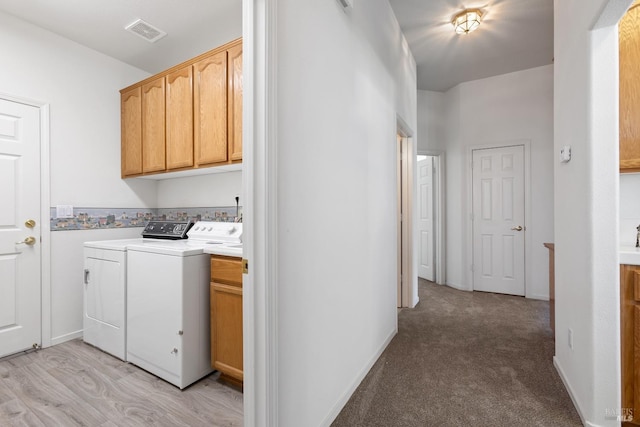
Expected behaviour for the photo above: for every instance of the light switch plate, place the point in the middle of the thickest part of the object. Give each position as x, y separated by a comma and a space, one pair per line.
64, 211
565, 153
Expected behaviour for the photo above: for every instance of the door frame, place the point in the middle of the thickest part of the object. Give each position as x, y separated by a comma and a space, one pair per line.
45, 228
440, 225
526, 144
407, 185
260, 187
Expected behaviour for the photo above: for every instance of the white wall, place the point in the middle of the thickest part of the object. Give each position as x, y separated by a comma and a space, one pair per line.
431, 121
586, 204
512, 107
218, 189
342, 80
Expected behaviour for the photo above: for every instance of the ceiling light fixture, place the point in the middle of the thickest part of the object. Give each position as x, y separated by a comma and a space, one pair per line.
467, 21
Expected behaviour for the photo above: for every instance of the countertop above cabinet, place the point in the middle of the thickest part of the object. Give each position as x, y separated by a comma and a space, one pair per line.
186, 120
629, 255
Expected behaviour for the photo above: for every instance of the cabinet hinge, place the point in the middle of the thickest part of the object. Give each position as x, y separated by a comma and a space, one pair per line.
245, 266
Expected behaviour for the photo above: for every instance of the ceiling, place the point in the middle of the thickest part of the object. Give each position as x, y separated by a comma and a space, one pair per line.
514, 35
192, 26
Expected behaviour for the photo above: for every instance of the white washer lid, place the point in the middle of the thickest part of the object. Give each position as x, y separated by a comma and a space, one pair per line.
167, 247
113, 245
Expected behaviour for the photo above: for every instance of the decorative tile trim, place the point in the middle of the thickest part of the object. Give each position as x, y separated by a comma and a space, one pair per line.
104, 218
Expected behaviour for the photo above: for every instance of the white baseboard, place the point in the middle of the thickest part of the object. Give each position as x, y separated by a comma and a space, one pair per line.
66, 337
570, 391
538, 297
458, 287
352, 388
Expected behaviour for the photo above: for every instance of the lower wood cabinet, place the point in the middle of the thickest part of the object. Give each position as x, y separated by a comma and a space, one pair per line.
630, 342
226, 317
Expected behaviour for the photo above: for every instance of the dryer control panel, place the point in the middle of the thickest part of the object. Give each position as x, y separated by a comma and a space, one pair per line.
173, 230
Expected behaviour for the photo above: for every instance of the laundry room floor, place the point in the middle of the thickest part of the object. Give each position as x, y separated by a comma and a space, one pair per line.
75, 384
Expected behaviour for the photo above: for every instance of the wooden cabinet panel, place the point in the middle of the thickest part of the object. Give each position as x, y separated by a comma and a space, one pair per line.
630, 342
226, 328
226, 270
131, 132
153, 126
235, 102
226, 317
179, 143
629, 31
210, 104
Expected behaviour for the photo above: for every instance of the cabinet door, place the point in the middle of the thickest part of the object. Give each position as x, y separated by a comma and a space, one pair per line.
180, 119
235, 102
630, 341
131, 132
153, 126
629, 70
210, 105
226, 329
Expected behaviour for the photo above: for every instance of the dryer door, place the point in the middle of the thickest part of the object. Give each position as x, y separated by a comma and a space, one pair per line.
104, 300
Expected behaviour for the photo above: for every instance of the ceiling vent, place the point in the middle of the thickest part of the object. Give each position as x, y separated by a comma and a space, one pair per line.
145, 30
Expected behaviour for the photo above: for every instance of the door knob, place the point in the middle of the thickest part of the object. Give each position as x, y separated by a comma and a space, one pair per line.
518, 228
30, 223
28, 241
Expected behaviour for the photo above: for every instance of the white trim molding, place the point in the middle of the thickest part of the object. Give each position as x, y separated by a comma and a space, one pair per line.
260, 302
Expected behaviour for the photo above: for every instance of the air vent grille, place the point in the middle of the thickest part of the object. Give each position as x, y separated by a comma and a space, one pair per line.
145, 30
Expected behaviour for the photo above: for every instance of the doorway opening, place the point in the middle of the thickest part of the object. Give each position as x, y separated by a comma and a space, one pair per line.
430, 216
404, 220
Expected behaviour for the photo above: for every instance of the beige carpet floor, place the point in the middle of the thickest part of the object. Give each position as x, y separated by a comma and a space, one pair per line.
465, 359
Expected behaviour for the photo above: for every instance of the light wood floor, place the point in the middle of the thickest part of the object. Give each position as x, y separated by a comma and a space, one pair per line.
75, 384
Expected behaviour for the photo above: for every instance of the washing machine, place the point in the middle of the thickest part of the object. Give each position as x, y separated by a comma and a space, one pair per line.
168, 313
105, 285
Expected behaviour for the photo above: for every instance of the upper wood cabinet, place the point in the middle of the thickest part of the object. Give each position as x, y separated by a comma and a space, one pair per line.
235, 101
189, 116
211, 104
629, 31
153, 126
179, 143
131, 131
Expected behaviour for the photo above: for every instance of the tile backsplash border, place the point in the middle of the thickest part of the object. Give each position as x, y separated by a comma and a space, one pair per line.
105, 218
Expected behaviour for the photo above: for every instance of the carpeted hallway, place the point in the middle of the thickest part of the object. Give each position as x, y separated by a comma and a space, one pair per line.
465, 359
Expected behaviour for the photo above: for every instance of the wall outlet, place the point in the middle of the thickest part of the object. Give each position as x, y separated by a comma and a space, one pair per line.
570, 338
565, 154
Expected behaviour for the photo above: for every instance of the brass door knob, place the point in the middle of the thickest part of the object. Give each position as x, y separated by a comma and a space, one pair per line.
29, 223
28, 241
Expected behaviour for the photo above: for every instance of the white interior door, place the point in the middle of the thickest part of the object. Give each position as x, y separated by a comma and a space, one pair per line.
498, 220
20, 324
426, 266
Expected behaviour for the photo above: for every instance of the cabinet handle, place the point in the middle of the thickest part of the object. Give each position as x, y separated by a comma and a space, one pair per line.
86, 276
